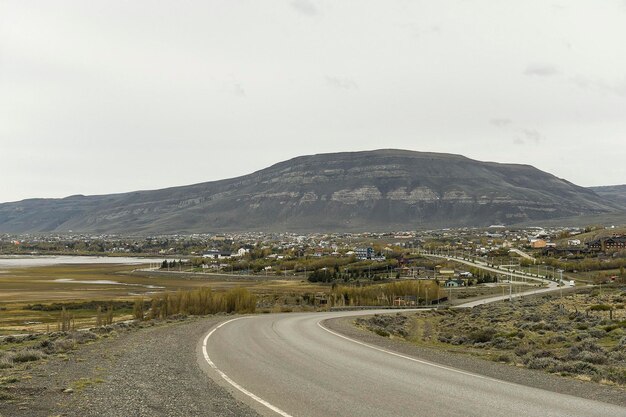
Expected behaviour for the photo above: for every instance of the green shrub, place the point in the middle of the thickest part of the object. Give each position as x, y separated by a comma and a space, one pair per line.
600, 307
482, 335
503, 358
617, 375
381, 332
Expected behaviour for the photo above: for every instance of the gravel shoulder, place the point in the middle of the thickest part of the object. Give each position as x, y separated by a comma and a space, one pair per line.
522, 376
152, 371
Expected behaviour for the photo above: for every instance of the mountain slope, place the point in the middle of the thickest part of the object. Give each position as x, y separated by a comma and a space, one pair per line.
613, 193
373, 190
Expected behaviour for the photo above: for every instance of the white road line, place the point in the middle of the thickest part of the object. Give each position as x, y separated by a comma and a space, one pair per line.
233, 383
319, 323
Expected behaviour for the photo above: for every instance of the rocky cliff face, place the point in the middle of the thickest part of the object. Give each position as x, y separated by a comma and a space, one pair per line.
375, 190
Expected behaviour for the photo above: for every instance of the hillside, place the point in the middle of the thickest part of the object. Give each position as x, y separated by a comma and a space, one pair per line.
613, 193
373, 190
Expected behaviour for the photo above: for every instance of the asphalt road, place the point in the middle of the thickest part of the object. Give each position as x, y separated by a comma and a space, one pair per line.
288, 364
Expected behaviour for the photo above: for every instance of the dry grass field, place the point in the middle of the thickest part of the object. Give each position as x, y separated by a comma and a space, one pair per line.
83, 287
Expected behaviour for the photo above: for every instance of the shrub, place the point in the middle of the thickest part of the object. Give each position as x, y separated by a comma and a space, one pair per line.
597, 333
617, 356
381, 332
6, 361
482, 335
28, 355
83, 337
592, 357
503, 358
542, 354
547, 364
458, 340
557, 339
617, 375
534, 317
501, 343
590, 345
60, 346
583, 368
600, 307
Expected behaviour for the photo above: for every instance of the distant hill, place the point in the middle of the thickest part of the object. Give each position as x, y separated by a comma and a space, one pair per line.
352, 191
613, 193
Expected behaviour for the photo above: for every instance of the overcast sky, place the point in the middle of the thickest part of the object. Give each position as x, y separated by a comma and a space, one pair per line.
111, 96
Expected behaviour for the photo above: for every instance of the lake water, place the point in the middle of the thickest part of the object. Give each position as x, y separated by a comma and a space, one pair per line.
27, 261
106, 282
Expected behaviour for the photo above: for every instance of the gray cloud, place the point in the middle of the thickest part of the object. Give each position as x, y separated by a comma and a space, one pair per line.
522, 135
617, 88
305, 7
342, 83
531, 134
500, 122
540, 70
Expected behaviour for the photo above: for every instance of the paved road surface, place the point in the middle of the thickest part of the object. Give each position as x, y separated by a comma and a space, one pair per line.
290, 362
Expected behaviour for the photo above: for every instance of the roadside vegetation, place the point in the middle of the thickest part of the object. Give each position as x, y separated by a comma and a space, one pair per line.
582, 335
19, 352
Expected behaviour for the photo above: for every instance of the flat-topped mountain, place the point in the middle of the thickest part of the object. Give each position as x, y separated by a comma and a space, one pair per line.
350, 191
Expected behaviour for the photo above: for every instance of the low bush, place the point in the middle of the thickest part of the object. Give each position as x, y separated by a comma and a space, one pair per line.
82, 337
61, 346
6, 361
482, 335
617, 375
597, 333
593, 357
503, 358
381, 332
544, 363
28, 355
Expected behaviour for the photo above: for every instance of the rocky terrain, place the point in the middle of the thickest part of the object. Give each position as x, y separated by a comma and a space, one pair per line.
353, 191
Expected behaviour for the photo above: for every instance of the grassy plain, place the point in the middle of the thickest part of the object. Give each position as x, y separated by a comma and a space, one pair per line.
87, 286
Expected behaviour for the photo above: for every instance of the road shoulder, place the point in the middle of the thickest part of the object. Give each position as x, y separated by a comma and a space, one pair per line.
145, 372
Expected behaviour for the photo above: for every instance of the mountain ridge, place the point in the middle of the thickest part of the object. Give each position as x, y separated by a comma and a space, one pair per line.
346, 191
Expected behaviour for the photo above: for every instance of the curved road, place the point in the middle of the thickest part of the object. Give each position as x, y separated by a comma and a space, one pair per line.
290, 365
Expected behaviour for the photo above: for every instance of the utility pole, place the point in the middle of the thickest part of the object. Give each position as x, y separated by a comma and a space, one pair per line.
561, 286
